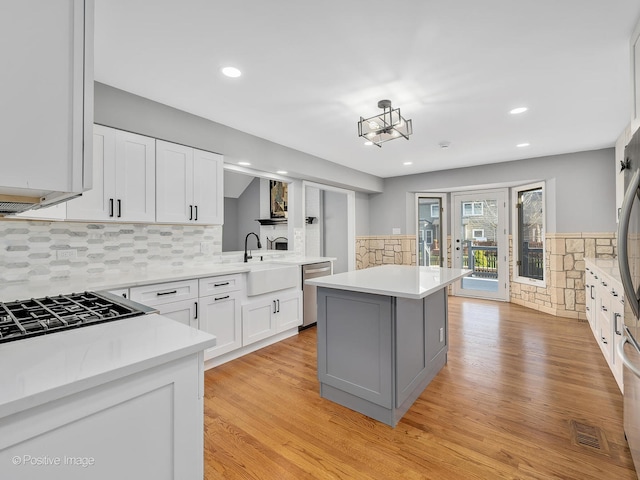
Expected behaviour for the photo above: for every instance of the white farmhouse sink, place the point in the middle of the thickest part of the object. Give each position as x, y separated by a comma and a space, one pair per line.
270, 277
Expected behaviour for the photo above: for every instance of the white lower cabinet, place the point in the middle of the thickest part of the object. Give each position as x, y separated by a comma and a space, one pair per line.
220, 316
267, 315
604, 310
175, 300
185, 312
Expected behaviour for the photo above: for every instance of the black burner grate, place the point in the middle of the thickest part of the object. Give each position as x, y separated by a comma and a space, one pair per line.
37, 316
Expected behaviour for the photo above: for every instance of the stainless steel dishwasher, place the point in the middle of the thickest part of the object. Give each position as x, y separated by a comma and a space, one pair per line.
309, 292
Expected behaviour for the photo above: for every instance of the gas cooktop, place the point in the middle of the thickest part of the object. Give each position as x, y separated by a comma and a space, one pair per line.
38, 316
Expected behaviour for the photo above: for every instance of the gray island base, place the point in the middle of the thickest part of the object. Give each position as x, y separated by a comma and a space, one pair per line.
382, 336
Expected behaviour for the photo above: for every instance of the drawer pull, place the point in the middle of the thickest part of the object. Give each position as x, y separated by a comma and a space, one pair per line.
613, 292
221, 284
166, 293
604, 340
196, 313
221, 298
604, 309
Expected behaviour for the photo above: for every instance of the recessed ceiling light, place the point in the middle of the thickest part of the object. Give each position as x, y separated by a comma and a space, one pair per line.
408, 163
522, 145
444, 144
282, 172
232, 72
518, 110
368, 143
244, 164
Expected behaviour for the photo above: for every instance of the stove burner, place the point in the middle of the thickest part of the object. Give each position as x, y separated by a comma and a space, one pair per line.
38, 316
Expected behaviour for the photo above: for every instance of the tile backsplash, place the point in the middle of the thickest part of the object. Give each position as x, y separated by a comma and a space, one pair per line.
38, 250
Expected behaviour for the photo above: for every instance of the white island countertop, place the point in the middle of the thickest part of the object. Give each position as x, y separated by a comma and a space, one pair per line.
42, 369
393, 280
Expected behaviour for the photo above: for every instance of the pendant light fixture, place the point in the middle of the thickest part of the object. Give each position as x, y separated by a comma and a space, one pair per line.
385, 126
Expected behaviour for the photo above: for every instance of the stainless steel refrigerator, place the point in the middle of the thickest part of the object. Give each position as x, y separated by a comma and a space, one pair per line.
629, 260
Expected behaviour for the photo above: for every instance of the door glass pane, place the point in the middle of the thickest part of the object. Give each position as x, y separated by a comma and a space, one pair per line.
479, 244
530, 234
429, 231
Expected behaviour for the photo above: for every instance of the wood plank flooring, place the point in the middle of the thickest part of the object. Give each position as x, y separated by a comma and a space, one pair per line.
501, 408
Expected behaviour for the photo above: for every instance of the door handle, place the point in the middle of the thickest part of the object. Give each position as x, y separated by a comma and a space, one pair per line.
623, 256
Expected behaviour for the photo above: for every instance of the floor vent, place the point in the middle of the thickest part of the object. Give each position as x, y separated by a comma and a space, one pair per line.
589, 436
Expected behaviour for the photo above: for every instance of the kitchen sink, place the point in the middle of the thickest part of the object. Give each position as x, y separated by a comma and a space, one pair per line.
269, 277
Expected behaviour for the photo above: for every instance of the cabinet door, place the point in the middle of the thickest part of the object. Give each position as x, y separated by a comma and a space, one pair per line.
289, 311
174, 183
220, 316
208, 189
617, 319
98, 203
135, 177
47, 100
184, 312
258, 320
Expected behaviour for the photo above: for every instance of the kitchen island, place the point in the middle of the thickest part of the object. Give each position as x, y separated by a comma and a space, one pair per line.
382, 336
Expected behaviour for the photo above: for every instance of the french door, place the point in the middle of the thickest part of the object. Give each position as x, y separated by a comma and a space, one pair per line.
480, 243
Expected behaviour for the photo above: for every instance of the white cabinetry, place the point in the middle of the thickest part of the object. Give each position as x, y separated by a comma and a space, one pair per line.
47, 99
189, 185
56, 212
121, 292
605, 310
220, 300
123, 179
269, 314
176, 300
635, 78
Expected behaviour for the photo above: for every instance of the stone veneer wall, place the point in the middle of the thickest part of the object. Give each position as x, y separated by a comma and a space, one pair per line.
564, 294
385, 250
28, 248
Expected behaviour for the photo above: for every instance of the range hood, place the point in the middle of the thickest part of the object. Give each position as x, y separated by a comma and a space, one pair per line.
12, 204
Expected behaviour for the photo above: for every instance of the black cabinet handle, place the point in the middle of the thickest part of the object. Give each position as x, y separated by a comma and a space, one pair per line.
190, 212
111, 207
604, 309
274, 306
220, 284
119, 208
278, 305
221, 298
166, 293
196, 217
196, 304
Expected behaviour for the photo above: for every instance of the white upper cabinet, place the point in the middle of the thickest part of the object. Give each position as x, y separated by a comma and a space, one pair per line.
188, 185
47, 96
123, 179
635, 77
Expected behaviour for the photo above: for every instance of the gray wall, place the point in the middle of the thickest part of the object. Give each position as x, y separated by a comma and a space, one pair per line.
362, 214
248, 211
580, 191
119, 109
230, 239
334, 206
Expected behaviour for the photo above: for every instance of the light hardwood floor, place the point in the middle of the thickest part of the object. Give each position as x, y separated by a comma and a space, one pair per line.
501, 408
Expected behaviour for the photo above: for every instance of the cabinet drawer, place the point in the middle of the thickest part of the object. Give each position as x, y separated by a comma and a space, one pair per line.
162, 293
221, 284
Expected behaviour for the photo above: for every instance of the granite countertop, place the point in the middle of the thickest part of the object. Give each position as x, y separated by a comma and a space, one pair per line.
131, 277
44, 368
393, 280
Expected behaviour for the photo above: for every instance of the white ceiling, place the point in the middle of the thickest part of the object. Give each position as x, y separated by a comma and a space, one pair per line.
455, 67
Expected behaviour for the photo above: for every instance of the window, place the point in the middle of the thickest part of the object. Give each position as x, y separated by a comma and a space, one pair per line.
472, 209
435, 210
428, 237
478, 234
529, 233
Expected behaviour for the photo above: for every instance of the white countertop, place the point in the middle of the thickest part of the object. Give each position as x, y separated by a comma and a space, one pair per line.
44, 368
608, 266
130, 277
393, 280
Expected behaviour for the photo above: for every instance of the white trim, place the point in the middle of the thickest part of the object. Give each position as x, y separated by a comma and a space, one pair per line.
514, 235
443, 222
351, 216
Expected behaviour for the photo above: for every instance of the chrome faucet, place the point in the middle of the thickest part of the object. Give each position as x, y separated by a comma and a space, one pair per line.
247, 256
